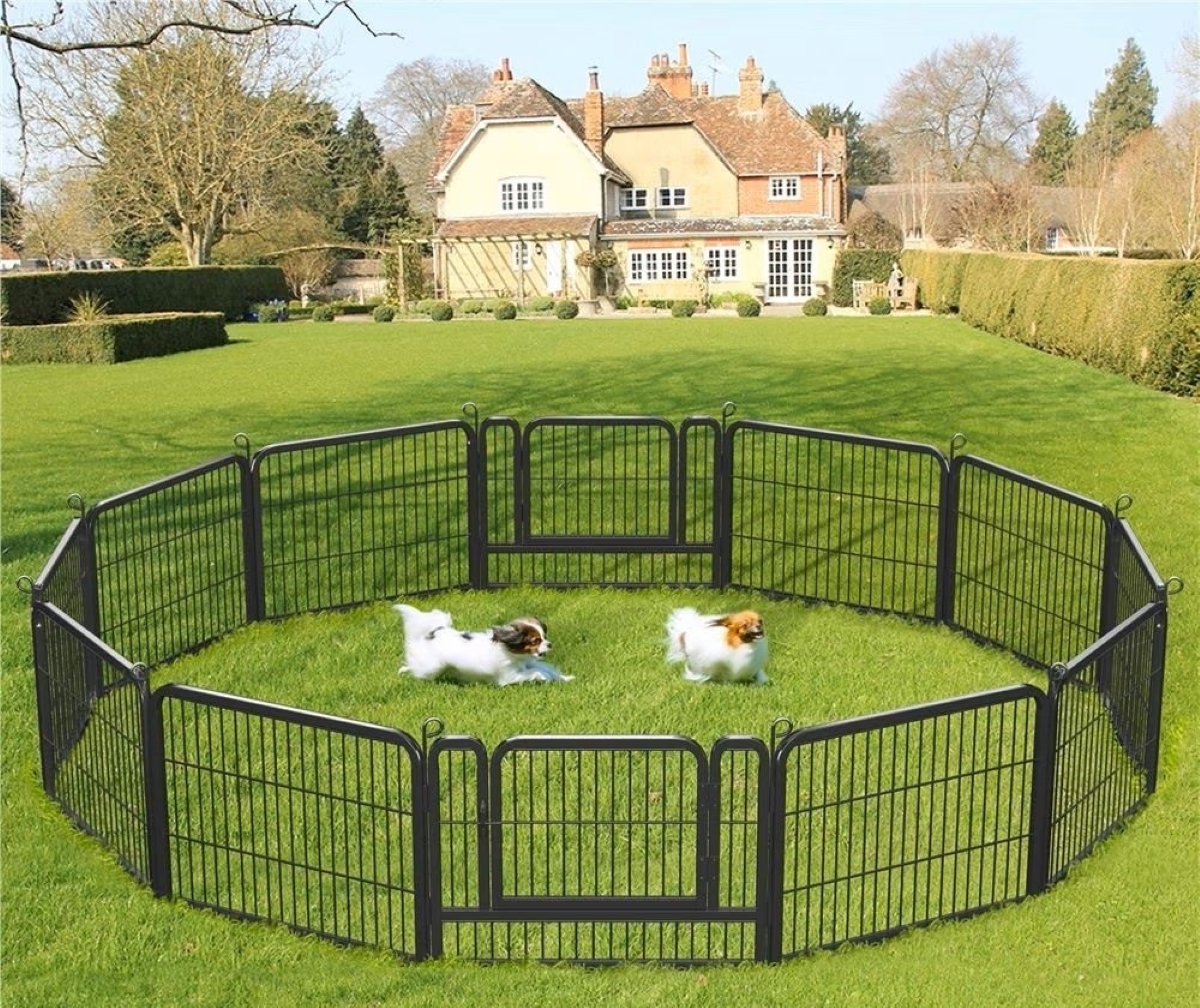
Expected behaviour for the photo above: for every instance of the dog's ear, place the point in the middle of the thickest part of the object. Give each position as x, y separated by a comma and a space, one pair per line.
510, 635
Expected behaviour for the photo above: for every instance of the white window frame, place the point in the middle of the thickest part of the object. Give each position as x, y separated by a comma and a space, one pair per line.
671, 197
1051, 239
784, 187
635, 198
721, 261
520, 258
522, 195
659, 264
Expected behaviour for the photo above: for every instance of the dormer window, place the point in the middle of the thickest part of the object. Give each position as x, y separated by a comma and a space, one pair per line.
785, 187
520, 195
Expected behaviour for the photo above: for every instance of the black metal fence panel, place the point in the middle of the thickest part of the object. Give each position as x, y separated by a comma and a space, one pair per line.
834, 517
1107, 735
900, 819
599, 848
171, 561
311, 821
91, 706
1027, 562
358, 517
599, 500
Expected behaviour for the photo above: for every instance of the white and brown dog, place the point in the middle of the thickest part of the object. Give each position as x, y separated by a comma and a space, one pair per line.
502, 655
728, 648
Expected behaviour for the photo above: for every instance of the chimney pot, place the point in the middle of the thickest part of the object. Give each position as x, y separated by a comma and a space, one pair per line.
593, 79
683, 54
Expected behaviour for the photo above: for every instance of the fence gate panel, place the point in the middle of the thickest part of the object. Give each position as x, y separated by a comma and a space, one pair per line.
597, 849
599, 500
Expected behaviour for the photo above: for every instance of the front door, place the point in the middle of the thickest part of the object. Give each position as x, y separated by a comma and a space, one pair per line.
554, 267
789, 269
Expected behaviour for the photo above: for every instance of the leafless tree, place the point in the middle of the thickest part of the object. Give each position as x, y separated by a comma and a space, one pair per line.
190, 133
965, 111
61, 29
408, 110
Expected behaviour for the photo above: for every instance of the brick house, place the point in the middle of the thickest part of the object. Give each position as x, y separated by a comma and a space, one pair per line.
695, 193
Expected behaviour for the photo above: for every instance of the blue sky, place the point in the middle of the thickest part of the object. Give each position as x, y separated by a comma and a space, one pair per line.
840, 53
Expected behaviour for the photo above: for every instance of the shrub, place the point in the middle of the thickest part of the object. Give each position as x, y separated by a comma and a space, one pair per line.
442, 311
383, 313
748, 307
491, 304
271, 311
505, 311
542, 303
324, 313
879, 306
623, 303
426, 305
88, 306
470, 307
683, 308
566, 309
816, 306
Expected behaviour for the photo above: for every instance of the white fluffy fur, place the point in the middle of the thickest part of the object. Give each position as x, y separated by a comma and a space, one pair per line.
703, 644
434, 649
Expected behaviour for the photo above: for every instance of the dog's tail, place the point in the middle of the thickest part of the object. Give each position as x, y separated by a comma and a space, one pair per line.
678, 623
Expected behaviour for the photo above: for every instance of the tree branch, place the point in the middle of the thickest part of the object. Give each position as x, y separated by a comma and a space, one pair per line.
255, 20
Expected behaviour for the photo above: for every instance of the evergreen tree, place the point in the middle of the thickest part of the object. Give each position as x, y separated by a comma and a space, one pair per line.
1123, 108
11, 227
1050, 156
359, 151
379, 205
867, 162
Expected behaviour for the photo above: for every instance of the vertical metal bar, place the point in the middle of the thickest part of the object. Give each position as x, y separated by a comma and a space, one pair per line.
947, 541
158, 839
1041, 799
1157, 672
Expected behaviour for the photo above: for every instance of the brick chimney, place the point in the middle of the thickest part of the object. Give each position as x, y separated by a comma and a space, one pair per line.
674, 78
504, 73
750, 81
593, 114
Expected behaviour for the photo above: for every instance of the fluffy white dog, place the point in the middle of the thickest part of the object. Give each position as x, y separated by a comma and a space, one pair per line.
728, 648
503, 655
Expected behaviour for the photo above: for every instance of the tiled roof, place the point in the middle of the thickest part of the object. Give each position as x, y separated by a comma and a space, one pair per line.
715, 225
772, 142
510, 99
518, 227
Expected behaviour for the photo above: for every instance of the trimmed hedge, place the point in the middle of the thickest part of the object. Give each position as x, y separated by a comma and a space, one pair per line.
42, 298
114, 339
861, 264
1136, 318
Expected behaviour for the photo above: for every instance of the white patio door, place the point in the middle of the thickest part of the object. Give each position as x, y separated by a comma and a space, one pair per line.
789, 269
554, 267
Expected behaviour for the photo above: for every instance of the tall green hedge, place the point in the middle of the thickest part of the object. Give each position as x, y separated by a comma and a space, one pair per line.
1131, 317
113, 339
859, 264
42, 298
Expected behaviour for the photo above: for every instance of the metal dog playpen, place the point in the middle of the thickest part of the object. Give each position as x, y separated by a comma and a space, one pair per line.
610, 847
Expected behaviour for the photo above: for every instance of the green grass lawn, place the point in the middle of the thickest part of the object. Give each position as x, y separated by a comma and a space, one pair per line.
1121, 929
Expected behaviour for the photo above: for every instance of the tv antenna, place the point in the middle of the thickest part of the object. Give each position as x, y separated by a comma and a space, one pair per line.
716, 66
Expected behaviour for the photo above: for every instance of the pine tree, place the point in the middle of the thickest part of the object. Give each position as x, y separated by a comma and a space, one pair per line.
359, 150
1050, 156
1123, 108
